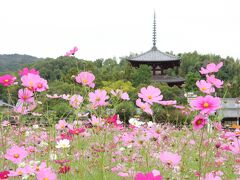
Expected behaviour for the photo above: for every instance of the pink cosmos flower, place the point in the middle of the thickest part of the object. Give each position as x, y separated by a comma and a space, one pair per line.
75, 101
72, 51
98, 98
211, 68
34, 82
16, 154
214, 81
147, 176
25, 95
199, 122
144, 106
46, 174
235, 146
168, 103
61, 125
37, 168
205, 87
86, 79
25, 71
7, 80
150, 94
169, 158
20, 171
207, 104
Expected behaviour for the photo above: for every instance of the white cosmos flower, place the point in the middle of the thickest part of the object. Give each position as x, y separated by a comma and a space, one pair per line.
43, 144
65, 143
135, 122
52, 156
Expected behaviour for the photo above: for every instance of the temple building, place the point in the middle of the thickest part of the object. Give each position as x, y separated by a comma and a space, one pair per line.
159, 61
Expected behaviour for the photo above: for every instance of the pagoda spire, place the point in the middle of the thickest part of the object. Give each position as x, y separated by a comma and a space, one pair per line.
154, 30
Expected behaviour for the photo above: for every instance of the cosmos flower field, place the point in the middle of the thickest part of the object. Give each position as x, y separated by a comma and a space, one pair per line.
98, 146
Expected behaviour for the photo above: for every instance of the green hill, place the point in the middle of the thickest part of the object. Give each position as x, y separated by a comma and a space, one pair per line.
13, 62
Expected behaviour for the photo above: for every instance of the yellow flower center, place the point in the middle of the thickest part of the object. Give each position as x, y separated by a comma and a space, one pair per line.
16, 156
204, 88
37, 168
6, 80
45, 178
20, 172
143, 107
149, 97
85, 81
205, 105
98, 99
199, 121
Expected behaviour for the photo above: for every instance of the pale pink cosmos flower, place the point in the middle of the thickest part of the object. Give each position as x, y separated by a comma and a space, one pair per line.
169, 158
150, 94
37, 168
5, 123
168, 103
211, 176
214, 81
205, 87
207, 104
25, 95
61, 125
75, 101
144, 106
7, 80
98, 98
97, 121
46, 174
218, 126
65, 96
211, 68
21, 108
25, 71
86, 79
148, 176
55, 96
41, 85
199, 122
16, 154
125, 96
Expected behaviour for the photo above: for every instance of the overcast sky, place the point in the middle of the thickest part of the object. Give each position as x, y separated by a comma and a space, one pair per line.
108, 28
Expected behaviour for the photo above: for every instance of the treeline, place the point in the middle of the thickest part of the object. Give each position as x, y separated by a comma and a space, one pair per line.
13, 62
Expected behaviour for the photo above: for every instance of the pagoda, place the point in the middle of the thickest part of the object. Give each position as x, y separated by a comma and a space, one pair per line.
159, 61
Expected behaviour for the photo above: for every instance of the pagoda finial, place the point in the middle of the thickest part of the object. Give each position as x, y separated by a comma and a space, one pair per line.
154, 30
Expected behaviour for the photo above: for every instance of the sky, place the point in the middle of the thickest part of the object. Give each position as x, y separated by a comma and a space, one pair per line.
116, 28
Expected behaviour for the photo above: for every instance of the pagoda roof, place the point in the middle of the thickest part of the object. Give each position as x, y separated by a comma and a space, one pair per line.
154, 55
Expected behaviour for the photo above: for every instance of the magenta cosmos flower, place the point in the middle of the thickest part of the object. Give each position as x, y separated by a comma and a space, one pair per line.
214, 81
75, 101
25, 71
25, 95
98, 98
147, 176
144, 106
7, 80
150, 94
199, 122
86, 79
169, 158
207, 104
211, 68
205, 87
16, 154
